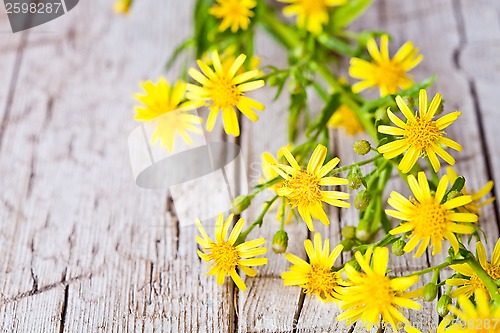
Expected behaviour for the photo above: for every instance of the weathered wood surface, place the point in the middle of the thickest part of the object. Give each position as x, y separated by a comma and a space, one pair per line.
82, 249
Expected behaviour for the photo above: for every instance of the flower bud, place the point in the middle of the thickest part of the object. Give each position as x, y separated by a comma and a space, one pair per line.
362, 234
362, 200
442, 306
430, 292
398, 247
280, 242
240, 203
355, 181
348, 232
347, 243
410, 101
453, 194
362, 147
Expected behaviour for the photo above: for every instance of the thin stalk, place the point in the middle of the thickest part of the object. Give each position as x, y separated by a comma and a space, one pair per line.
258, 221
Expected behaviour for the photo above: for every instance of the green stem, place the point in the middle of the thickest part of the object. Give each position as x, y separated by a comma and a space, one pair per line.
487, 280
258, 221
438, 267
285, 35
350, 166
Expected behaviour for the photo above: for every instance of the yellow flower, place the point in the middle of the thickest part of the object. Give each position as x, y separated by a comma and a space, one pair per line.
370, 295
224, 256
471, 282
303, 190
122, 6
222, 90
162, 104
482, 317
316, 276
311, 14
386, 73
476, 204
420, 135
346, 118
234, 13
268, 160
428, 219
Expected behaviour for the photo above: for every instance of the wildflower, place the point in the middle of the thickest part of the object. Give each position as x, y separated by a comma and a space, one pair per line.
163, 104
316, 277
427, 218
482, 316
386, 73
476, 204
303, 189
420, 135
234, 13
346, 118
224, 90
370, 294
471, 282
224, 256
311, 14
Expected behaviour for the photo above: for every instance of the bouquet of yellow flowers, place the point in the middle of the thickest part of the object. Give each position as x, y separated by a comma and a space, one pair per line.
407, 136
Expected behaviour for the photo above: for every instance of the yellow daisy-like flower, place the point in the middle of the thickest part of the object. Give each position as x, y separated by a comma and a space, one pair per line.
316, 276
303, 189
371, 295
482, 317
224, 256
427, 218
163, 104
234, 13
122, 6
476, 204
268, 160
346, 118
223, 90
386, 73
311, 14
471, 282
420, 135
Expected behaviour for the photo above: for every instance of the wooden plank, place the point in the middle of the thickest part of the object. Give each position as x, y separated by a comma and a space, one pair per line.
77, 218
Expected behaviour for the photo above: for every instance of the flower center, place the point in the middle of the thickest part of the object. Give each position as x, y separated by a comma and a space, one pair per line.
389, 74
430, 219
376, 292
321, 281
224, 255
305, 189
237, 10
223, 92
422, 133
492, 270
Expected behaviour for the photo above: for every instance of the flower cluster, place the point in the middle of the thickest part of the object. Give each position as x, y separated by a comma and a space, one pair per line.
403, 129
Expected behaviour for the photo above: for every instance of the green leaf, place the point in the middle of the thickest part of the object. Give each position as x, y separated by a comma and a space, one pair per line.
178, 50
326, 113
337, 45
458, 185
344, 15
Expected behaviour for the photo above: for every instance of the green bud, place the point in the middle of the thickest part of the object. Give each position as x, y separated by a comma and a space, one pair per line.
442, 306
355, 181
453, 194
362, 234
410, 101
348, 232
240, 203
430, 291
280, 242
362, 147
272, 80
398, 247
347, 244
362, 200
